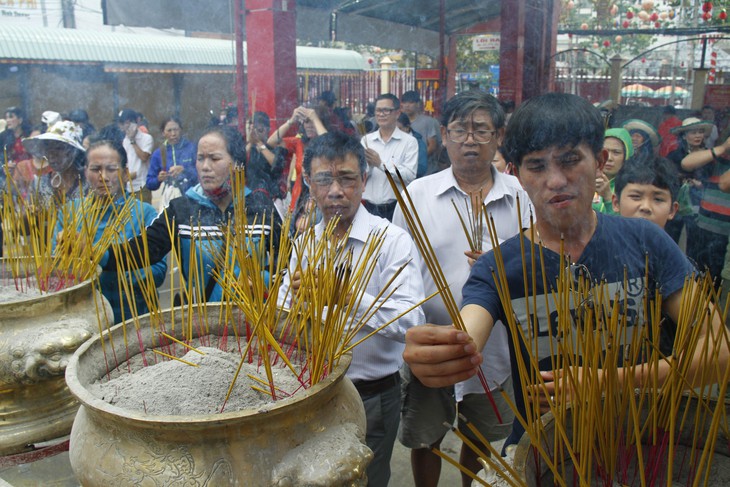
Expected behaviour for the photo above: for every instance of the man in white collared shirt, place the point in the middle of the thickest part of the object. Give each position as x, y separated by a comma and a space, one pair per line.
387, 148
138, 146
336, 171
472, 127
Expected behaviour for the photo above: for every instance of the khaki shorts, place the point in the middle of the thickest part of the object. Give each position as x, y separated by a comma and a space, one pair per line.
426, 412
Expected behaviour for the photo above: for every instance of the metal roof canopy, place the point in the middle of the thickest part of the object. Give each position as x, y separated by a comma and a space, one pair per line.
412, 25
132, 50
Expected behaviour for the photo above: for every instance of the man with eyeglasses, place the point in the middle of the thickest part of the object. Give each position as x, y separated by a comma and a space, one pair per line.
472, 127
391, 148
336, 171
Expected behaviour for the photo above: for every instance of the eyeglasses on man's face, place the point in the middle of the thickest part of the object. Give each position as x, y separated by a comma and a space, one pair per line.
384, 110
481, 136
325, 180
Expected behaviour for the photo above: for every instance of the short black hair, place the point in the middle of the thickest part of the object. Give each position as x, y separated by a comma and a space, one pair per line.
127, 115
553, 119
657, 171
328, 97
78, 115
391, 97
410, 96
334, 146
466, 103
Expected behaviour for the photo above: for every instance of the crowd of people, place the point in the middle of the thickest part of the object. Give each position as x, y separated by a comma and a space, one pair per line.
616, 199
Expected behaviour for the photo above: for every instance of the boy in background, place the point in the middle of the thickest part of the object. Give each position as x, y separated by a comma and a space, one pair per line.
648, 190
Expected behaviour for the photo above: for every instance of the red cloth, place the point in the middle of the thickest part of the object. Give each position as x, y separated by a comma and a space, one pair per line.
295, 146
669, 140
18, 152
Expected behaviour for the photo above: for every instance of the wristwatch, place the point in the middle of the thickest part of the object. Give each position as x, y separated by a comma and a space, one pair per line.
262, 147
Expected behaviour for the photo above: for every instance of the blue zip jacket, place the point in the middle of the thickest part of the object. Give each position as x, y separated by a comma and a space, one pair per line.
142, 215
195, 218
184, 154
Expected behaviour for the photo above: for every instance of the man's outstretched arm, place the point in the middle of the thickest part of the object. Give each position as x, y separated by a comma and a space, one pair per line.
442, 355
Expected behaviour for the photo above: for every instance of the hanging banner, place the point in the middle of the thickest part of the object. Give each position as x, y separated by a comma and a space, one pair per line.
486, 42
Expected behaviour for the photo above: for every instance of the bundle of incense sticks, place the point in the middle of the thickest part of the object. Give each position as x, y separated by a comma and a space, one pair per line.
473, 222
33, 225
607, 428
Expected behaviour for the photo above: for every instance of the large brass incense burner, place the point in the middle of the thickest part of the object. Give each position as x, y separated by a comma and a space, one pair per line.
38, 334
275, 446
701, 412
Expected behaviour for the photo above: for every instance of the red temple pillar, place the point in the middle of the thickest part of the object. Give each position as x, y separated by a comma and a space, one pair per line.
271, 58
528, 42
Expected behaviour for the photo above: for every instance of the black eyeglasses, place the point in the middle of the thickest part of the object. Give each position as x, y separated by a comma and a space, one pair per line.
384, 111
325, 180
459, 136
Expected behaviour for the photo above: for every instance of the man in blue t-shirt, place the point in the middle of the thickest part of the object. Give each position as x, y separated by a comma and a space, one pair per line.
555, 142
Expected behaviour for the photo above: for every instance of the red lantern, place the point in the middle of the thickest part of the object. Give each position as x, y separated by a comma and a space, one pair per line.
657, 25
707, 16
707, 6
722, 15
630, 14
606, 43
626, 24
654, 17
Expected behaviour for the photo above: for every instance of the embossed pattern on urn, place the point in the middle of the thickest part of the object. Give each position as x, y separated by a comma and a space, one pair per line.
38, 335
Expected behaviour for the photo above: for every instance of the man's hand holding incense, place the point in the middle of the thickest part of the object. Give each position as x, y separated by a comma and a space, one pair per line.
472, 256
441, 355
372, 158
559, 386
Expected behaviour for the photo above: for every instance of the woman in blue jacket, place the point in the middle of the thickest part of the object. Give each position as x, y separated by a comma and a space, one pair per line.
197, 220
176, 167
107, 175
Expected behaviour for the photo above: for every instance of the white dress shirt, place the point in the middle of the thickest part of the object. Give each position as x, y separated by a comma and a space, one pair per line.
381, 354
432, 196
401, 152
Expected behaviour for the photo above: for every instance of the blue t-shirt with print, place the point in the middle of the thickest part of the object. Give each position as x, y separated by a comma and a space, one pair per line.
616, 256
